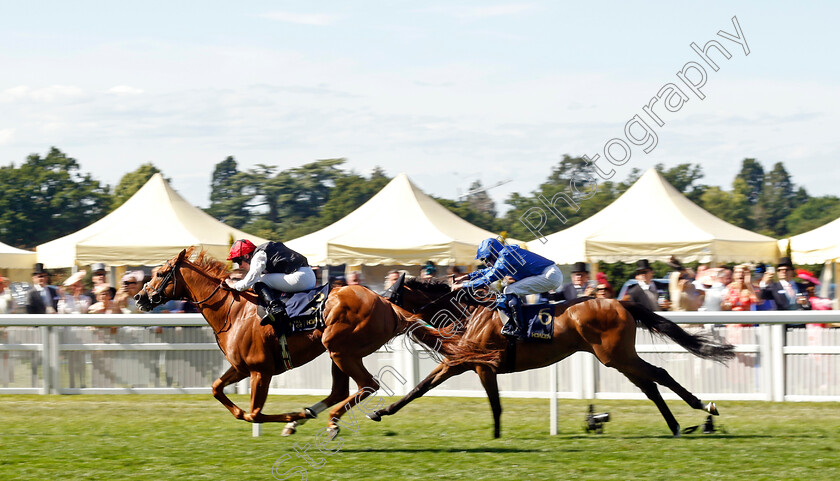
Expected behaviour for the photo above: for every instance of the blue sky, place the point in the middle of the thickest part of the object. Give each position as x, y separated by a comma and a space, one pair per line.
448, 92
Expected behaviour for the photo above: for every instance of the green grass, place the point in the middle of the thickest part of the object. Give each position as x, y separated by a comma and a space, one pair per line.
184, 437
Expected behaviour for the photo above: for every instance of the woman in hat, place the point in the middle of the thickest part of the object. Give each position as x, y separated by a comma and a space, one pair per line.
104, 303
72, 300
7, 301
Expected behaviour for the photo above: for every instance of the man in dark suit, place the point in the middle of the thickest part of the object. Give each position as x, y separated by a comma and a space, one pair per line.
645, 291
787, 294
579, 286
41, 299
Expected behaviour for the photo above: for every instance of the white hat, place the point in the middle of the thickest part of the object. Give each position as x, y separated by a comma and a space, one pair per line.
75, 278
136, 276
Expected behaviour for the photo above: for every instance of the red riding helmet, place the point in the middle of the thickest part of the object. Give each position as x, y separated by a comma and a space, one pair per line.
241, 249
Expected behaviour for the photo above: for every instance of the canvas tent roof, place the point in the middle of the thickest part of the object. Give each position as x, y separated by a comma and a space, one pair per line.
815, 246
149, 228
14, 258
400, 225
653, 220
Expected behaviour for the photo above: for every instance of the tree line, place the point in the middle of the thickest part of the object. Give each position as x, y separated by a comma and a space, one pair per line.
47, 197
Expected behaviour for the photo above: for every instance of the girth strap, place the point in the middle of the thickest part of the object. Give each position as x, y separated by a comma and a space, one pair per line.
284, 353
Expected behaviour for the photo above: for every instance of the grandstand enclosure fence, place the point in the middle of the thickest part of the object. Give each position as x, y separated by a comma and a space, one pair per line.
177, 353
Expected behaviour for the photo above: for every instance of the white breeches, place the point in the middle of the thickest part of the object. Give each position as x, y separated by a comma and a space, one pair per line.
300, 280
550, 279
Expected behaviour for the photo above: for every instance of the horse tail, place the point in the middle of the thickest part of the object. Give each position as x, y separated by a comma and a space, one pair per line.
446, 341
701, 344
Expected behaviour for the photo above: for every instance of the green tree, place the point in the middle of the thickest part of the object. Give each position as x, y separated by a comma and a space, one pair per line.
464, 210
684, 177
733, 207
586, 202
229, 201
46, 198
479, 200
752, 175
776, 201
131, 182
813, 213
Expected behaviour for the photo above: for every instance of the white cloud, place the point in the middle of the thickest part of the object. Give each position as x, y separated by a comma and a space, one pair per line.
6, 135
482, 12
316, 19
51, 94
125, 90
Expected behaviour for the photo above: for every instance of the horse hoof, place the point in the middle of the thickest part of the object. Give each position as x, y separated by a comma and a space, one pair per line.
711, 408
333, 431
374, 416
290, 429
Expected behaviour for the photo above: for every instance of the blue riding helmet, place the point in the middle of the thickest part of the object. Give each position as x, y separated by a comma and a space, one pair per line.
489, 247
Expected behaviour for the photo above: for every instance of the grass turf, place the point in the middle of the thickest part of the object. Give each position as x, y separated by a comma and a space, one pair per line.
184, 437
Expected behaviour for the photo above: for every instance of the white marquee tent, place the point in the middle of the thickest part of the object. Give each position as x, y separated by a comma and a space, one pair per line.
14, 258
149, 228
815, 246
653, 220
400, 225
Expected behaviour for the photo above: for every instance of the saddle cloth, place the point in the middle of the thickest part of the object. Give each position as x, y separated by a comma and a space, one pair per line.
539, 321
305, 309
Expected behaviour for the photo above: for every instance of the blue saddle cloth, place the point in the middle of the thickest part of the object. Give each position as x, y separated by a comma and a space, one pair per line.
539, 321
305, 309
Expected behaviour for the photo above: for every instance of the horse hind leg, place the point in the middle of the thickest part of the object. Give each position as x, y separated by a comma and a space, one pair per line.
340, 390
649, 388
439, 374
491, 387
643, 375
662, 377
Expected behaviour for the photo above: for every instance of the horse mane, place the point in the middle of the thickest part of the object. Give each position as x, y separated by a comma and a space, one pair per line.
207, 263
431, 285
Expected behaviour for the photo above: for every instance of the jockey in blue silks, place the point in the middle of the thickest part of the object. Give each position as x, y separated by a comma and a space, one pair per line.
532, 273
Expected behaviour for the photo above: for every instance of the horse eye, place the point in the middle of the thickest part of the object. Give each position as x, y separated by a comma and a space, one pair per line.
160, 274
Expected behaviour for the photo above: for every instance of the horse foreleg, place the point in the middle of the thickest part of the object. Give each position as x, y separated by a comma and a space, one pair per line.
259, 394
491, 387
439, 374
229, 377
340, 390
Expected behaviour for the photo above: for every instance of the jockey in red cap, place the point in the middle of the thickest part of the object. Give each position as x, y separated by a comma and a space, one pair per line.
271, 266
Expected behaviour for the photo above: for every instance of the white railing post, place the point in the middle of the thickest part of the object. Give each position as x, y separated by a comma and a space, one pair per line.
765, 359
45, 359
778, 345
552, 385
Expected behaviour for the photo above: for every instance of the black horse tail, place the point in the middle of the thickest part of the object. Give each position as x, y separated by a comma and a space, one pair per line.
701, 344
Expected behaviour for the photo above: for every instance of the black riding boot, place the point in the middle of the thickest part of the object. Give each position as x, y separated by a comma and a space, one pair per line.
515, 325
275, 311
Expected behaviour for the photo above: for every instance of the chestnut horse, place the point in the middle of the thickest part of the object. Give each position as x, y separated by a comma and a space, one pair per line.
603, 327
357, 323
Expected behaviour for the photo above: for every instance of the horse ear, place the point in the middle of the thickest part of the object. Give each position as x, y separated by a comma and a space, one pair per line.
182, 255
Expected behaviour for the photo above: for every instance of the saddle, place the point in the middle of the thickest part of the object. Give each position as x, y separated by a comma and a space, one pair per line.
538, 319
305, 309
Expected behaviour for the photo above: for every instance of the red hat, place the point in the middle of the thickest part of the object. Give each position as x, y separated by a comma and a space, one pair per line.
241, 248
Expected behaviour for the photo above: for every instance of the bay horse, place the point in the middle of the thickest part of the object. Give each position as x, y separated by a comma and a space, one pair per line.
357, 323
603, 327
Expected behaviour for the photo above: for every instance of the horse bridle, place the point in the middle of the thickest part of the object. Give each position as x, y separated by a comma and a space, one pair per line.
157, 295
